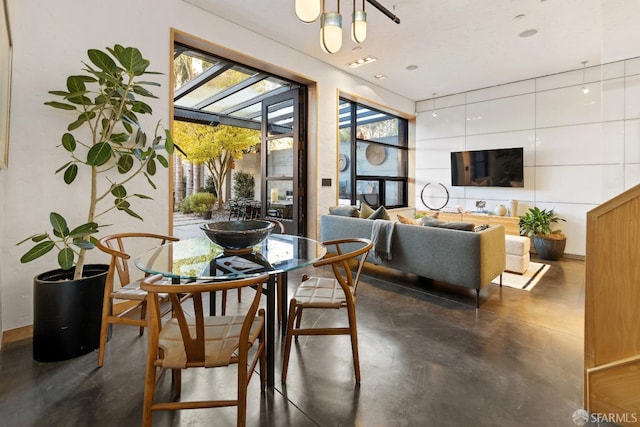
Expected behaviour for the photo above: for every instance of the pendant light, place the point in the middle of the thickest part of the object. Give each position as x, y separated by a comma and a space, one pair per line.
358, 24
331, 30
307, 10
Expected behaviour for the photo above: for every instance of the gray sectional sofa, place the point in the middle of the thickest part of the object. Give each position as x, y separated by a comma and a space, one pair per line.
464, 258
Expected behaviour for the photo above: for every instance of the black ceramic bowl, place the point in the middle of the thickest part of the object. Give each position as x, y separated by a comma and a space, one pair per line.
237, 235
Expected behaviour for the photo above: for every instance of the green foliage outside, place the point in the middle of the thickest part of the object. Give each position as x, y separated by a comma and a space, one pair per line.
215, 147
243, 185
197, 203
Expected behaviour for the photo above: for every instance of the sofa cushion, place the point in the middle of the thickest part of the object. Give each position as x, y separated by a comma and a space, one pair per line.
380, 213
351, 211
365, 210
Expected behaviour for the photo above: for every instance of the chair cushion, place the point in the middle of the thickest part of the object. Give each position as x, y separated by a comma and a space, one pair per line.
221, 340
132, 291
320, 292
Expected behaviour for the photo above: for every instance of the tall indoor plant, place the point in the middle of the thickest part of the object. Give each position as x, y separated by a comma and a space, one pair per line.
107, 140
537, 223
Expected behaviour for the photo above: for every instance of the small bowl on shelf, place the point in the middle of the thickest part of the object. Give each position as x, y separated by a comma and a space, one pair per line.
237, 236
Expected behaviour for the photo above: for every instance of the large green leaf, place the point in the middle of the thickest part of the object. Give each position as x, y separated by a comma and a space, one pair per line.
84, 244
168, 145
84, 230
99, 154
59, 224
60, 105
142, 91
102, 60
142, 196
119, 137
69, 142
151, 167
37, 251
119, 191
133, 214
132, 60
163, 161
125, 163
65, 258
71, 173
76, 84
141, 107
151, 183
75, 125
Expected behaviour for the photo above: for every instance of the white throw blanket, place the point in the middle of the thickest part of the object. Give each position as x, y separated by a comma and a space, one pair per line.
381, 236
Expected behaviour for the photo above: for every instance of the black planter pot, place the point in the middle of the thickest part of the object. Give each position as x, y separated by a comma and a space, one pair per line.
549, 249
67, 313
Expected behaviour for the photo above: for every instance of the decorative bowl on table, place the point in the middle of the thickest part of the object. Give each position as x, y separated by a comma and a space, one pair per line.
237, 236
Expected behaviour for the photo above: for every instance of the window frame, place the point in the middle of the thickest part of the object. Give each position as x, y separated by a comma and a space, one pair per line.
381, 180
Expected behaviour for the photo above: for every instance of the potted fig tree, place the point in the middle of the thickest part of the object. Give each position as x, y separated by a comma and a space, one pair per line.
537, 223
108, 146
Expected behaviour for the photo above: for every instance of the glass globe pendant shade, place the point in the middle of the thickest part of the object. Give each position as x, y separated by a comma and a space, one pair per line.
307, 10
331, 32
359, 26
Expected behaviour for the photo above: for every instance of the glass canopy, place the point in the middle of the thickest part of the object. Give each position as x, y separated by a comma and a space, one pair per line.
213, 90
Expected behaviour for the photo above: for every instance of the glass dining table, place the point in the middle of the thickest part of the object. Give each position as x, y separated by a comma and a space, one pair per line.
201, 260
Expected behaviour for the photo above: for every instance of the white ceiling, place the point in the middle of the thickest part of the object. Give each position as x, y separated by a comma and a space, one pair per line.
458, 45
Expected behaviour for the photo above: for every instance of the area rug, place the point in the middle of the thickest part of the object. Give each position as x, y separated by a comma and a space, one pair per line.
525, 281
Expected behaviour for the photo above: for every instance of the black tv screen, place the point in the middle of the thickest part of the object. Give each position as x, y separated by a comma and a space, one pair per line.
502, 167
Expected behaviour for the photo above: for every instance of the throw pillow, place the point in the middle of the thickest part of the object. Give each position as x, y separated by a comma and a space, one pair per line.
365, 210
481, 227
380, 213
464, 226
410, 221
351, 211
431, 222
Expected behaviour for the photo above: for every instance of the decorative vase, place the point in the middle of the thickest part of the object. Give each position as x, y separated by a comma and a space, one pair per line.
513, 208
500, 210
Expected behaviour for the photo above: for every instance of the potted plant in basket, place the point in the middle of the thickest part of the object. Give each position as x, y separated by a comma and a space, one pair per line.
112, 148
536, 223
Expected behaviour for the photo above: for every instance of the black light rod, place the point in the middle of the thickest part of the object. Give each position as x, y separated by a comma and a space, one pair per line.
384, 10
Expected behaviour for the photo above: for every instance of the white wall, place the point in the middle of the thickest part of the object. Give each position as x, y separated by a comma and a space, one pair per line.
580, 149
50, 39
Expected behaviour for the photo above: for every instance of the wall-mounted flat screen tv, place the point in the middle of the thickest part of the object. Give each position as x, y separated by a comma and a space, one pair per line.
502, 167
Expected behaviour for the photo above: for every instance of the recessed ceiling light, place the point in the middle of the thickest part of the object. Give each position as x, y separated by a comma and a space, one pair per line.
361, 61
528, 33
380, 76
412, 67
356, 48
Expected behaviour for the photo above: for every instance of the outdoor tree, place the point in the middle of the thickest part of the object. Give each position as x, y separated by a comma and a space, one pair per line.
215, 147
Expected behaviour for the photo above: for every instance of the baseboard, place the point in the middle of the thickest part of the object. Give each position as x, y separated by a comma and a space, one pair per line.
18, 334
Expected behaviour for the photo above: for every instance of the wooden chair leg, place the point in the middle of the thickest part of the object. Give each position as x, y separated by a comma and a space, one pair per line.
263, 357
176, 383
223, 309
287, 345
149, 390
298, 317
104, 330
243, 379
143, 315
353, 331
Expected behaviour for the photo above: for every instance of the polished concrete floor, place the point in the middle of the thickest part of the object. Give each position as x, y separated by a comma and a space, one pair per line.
428, 358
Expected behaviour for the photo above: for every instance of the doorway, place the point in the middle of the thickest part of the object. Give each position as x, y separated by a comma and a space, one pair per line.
210, 90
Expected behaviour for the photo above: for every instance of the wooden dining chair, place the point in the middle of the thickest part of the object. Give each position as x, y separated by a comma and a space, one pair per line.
346, 258
194, 340
125, 290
